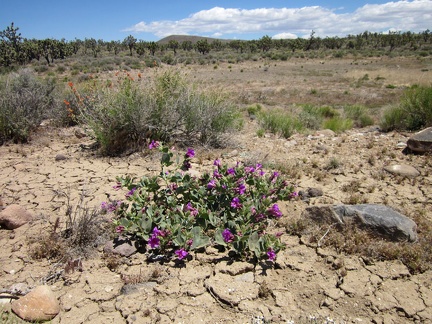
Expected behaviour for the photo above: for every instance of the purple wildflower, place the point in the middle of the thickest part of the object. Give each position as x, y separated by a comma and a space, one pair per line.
189, 242
293, 195
120, 229
235, 203
154, 241
131, 192
191, 209
249, 169
104, 206
216, 174
181, 254
241, 189
275, 211
117, 186
113, 206
186, 165
157, 232
231, 171
217, 163
259, 217
154, 144
173, 186
274, 176
258, 166
271, 254
227, 235
211, 184
190, 153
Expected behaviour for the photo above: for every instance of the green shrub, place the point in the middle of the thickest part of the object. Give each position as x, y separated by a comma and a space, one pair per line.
359, 115
24, 102
254, 109
393, 118
174, 213
122, 118
413, 113
279, 122
338, 124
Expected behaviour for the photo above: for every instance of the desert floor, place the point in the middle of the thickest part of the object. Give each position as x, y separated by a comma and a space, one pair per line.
306, 284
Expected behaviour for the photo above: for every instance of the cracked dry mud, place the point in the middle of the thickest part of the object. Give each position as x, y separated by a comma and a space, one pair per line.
306, 283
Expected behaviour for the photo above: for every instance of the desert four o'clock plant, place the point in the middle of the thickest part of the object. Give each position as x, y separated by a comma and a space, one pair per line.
175, 212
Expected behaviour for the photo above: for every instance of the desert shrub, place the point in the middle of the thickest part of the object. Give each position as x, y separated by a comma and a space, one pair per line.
359, 114
25, 101
413, 113
338, 124
122, 118
253, 110
312, 117
174, 213
279, 122
41, 68
393, 118
61, 69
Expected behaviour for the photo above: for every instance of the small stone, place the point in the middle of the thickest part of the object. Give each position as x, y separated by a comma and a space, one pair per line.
60, 157
121, 246
402, 170
38, 305
80, 133
14, 216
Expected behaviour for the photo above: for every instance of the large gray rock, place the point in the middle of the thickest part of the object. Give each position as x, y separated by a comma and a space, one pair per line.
421, 142
381, 219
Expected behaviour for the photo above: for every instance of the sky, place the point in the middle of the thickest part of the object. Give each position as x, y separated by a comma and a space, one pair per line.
152, 20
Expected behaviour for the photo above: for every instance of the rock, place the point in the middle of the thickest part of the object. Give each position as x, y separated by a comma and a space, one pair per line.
120, 245
403, 170
379, 218
79, 133
14, 216
310, 193
421, 142
38, 305
60, 157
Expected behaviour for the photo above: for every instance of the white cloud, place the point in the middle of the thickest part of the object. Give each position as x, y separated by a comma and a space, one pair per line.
285, 36
291, 22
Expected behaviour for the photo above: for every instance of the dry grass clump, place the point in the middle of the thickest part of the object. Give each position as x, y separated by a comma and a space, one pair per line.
353, 240
85, 229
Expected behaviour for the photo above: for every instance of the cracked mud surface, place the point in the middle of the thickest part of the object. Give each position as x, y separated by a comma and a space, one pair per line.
307, 282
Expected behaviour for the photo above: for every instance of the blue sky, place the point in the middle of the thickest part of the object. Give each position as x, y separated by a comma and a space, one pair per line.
153, 20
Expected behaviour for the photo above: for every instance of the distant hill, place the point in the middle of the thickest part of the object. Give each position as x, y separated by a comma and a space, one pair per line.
193, 39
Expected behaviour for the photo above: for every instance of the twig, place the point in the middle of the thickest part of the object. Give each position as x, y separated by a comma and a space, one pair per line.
328, 230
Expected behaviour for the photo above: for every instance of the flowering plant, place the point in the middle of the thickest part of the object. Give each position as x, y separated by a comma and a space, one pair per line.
176, 212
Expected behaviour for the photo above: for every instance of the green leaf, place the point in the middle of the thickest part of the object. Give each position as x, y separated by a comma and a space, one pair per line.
146, 223
179, 240
254, 243
219, 238
214, 220
199, 240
